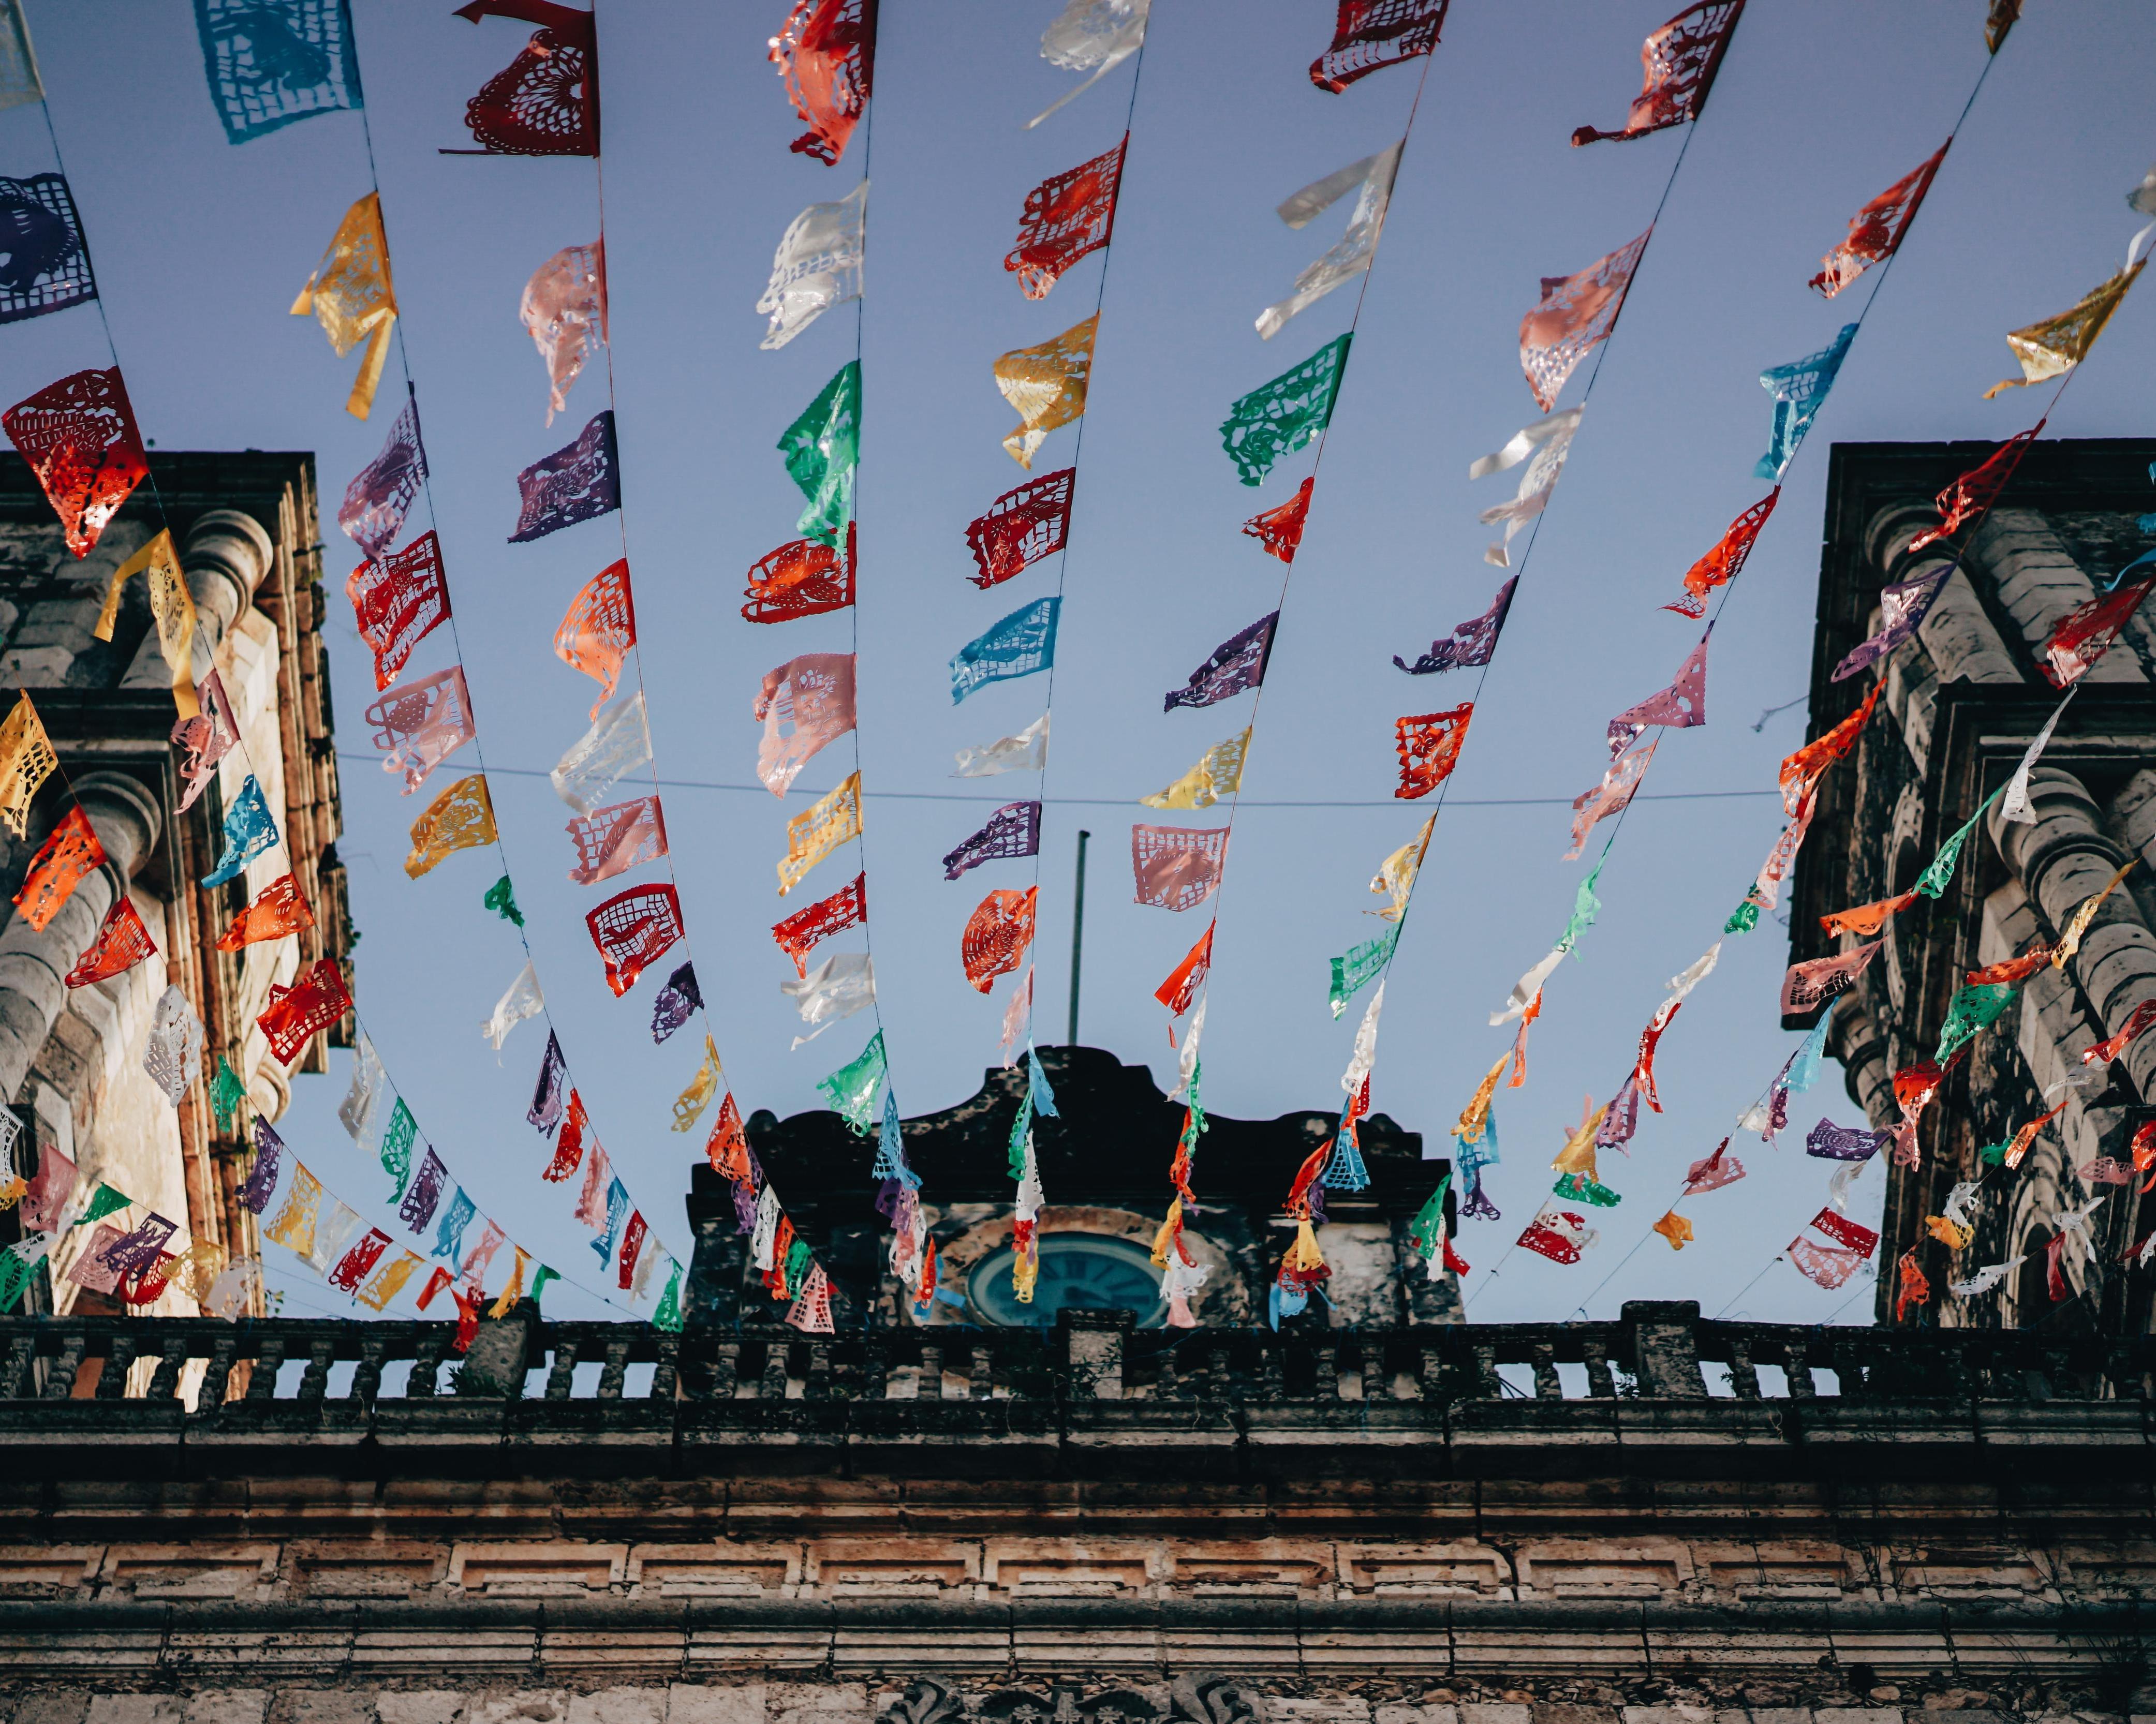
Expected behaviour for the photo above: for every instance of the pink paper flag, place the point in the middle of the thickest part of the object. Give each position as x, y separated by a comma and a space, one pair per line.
814, 695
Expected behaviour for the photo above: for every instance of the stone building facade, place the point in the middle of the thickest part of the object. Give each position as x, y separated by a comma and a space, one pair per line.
1961, 704
71, 1060
1103, 1162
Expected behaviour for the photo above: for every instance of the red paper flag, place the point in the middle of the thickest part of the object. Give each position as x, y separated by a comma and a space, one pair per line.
72, 851
1801, 771
1643, 1071
1976, 490
1876, 232
800, 579
1187, 977
1678, 63
358, 1264
800, 933
631, 1246
1829, 1265
613, 840
826, 53
2145, 1014
727, 1147
1021, 527
79, 437
1429, 747
997, 935
1725, 562
121, 943
1066, 217
599, 629
2012, 969
1370, 35
1808, 986
1838, 1228
1279, 529
315, 1002
546, 101
1868, 918
1558, 1235
1177, 867
1574, 313
2085, 633
1915, 1290
569, 1146
398, 602
281, 910
634, 929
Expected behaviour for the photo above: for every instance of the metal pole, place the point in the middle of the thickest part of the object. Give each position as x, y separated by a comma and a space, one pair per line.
1077, 934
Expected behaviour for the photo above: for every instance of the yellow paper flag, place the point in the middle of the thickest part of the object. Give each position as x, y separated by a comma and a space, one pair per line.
293, 1225
690, 1104
1395, 877
1577, 1155
460, 818
1478, 1110
2054, 347
1675, 1228
351, 296
1217, 773
26, 760
2069, 942
1047, 385
811, 836
388, 1281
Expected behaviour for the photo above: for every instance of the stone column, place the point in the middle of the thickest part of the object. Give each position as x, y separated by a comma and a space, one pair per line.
34, 964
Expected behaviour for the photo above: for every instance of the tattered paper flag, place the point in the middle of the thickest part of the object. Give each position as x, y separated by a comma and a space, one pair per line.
376, 500
1046, 386
598, 629
279, 910
632, 930
800, 579
843, 984
250, 832
1219, 773
208, 736
351, 296
1678, 63
81, 441
1801, 771
1429, 747
2077, 924
1808, 985
1094, 35
613, 840
1798, 391
172, 607
817, 265
1974, 492
1369, 35
618, 743
2054, 347
70, 852
851, 1089
460, 817
1914, 1289
1717, 1170
1357, 967
1986, 1279
1876, 230
1680, 705
1012, 830
802, 930
397, 602
501, 899
1643, 1067
1176, 868
578, 482
1473, 643
1543, 445
1619, 784
564, 309
690, 1104
813, 834
1280, 528
1282, 416
674, 1003
1022, 526
317, 1001
2138, 1024
421, 725
546, 101
1371, 180
269, 66
1726, 561
1017, 1022
1021, 644
1237, 663
1187, 977
358, 1263
813, 694
1574, 313
825, 53
2014, 804
362, 1101
1997, 21
1066, 216
1395, 877
1026, 751
523, 1000
2085, 633
997, 936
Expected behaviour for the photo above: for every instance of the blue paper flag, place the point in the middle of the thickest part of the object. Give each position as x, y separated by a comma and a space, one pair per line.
617, 1213
1800, 392
1344, 1170
1022, 643
248, 831
890, 1148
271, 62
449, 1240
1044, 1098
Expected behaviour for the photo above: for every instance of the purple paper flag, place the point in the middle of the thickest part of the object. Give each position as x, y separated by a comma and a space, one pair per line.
551, 1094
571, 485
1012, 830
678, 1001
418, 1209
262, 1176
1238, 663
1470, 644
1902, 608
1680, 705
132, 1252
1838, 1143
376, 502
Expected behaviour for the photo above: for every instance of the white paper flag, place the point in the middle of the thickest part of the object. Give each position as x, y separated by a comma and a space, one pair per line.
1365, 1044
1527, 987
522, 1001
1100, 34
1025, 753
838, 987
364, 1099
1547, 441
2014, 804
618, 743
1371, 179
817, 265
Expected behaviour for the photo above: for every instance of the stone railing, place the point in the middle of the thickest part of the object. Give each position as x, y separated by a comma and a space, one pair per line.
1655, 1351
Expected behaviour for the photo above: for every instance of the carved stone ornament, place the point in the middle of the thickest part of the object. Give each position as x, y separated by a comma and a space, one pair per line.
1202, 1699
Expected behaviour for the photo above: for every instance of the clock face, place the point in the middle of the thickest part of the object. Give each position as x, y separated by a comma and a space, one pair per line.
1086, 1271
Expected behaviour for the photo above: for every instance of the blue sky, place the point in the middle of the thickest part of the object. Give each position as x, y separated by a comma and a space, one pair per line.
201, 246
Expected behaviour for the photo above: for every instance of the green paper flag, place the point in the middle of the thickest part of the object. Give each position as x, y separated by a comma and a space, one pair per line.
1427, 1229
103, 1201
501, 897
1940, 874
1582, 1190
798, 1257
397, 1148
16, 1275
851, 1089
821, 449
1972, 1011
226, 1094
1287, 413
1359, 966
1742, 919
544, 1275
1021, 1128
668, 1316
1585, 906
